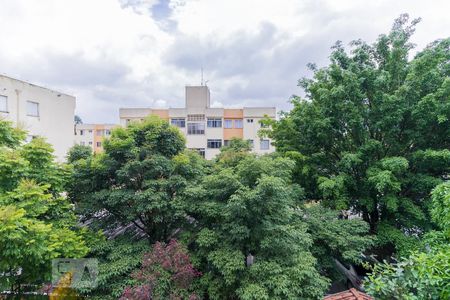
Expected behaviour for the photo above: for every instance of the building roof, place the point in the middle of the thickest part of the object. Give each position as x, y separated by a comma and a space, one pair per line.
351, 294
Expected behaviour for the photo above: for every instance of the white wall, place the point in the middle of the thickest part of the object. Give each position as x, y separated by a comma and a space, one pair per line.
56, 113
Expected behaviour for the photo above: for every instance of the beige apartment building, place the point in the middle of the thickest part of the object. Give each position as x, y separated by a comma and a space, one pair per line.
93, 135
207, 129
40, 111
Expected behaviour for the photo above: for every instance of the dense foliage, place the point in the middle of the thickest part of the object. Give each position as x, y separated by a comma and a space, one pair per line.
37, 223
373, 133
423, 274
166, 273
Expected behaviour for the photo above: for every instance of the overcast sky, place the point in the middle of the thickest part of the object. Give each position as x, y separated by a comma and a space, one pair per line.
141, 53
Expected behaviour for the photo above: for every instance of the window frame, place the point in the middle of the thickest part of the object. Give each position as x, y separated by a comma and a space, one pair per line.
197, 131
6, 104
37, 110
178, 122
261, 144
216, 142
228, 123
214, 122
238, 121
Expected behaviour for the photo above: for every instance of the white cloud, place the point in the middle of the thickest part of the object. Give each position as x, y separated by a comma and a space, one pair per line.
122, 53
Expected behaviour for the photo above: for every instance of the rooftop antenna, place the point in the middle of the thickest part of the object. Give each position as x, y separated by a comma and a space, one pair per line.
202, 77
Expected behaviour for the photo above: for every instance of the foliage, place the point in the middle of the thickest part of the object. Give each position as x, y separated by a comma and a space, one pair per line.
373, 133
424, 274
36, 222
139, 180
78, 152
249, 210
166, 273
335, 237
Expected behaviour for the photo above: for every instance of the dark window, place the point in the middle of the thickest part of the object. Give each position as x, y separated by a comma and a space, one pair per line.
214, 122
214, 144
226, 142
178, 122
196, 128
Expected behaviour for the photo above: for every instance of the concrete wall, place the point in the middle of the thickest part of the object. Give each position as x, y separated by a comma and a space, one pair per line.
56, 113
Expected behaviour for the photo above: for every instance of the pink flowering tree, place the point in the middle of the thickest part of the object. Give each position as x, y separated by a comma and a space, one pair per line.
166, 273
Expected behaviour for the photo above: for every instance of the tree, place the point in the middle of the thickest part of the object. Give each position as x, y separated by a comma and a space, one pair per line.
423, 274
36, 222
248, 239
373, 135
133, 193
138, 180
166, 273
78, 152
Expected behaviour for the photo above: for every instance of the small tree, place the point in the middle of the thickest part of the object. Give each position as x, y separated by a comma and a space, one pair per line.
166, 273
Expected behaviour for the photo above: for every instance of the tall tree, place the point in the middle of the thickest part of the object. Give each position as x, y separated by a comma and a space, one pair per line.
37, 223
373, 133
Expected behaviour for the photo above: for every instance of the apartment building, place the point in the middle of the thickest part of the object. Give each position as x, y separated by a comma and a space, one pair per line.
93, 135
207, 129
40, 111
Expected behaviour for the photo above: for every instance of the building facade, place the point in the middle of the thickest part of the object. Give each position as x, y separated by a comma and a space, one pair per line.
207, 129
40, 111
93, 135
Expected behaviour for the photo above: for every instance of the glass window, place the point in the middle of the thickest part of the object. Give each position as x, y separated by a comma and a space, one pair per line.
214, 122
32, 109
196, 128
82, 143
226, 142
178, 122
200, 151
249, 120
251, 143
90, 143
196, 117
99, 144
81, 132
100, 132
265, 144
108, 132
3, 103
228, 123
237, 123
214, 144
90, 131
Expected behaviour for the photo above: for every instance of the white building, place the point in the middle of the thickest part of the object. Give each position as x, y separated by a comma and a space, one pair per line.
92, 135
40, 111
207, 129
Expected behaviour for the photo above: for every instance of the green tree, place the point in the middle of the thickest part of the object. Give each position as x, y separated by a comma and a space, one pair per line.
78, 152
372, 133
423, 274
133, 192
248, 212
36, 222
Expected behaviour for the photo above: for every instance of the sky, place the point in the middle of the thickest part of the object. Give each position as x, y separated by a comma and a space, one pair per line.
141, 53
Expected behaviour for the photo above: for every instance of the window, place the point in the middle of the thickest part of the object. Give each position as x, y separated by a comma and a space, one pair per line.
214, 144
228, 123
237, 123
32, 109
81, 132
90, 131
264, 145
226, 142
108, 132
251, 143
99, 144
263, 125
3, 103
196, 128
100, 132
200, 151
249, 120
82, 143
29, 138
178, 122
214, 122
196, 117
90, 143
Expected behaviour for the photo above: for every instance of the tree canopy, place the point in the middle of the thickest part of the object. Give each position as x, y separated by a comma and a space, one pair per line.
372, 133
